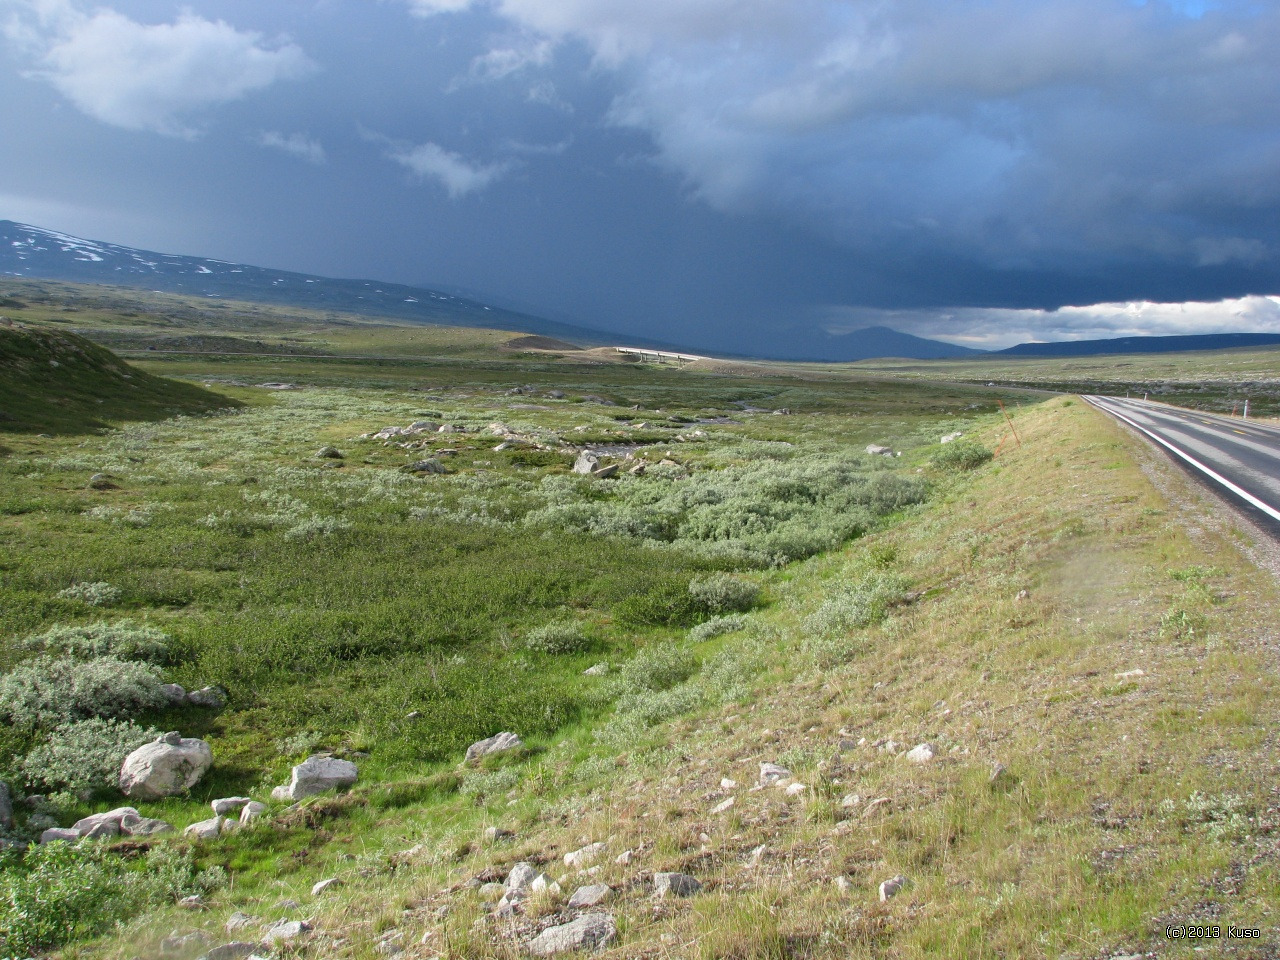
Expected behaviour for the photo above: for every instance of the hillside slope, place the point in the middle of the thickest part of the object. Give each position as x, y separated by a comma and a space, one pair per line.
52, 381
1095, 686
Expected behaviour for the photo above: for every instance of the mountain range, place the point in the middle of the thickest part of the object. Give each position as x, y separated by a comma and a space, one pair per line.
36, 253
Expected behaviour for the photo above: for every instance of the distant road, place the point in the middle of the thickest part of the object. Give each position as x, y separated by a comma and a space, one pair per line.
1240, 457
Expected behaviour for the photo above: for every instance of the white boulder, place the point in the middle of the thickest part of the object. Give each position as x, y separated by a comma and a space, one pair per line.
318, 774
170, 765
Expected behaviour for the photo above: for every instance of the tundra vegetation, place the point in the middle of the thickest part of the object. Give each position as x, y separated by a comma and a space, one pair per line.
762, 590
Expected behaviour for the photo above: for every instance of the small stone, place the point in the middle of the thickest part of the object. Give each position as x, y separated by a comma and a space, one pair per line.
317, 774
591, 931
795, 789
229, 805
585, 856
173, 693
495, 744
285, 930
589, 896
599, 670
892, 887
624, 858
239, 921
205, 829
723, 806
211, 698
998, 773
922, 753
231, 951
329, 453
328, 884
772, 773
280, 793
756, 855
675, 885
494, 834
849, 801
843, 885
252, 810
1022, 595
727, 784
521, 875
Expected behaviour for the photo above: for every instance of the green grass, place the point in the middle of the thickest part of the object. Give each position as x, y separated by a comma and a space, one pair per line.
57, 382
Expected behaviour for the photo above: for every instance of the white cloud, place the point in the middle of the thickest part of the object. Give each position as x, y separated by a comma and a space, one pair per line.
147, 76
296, 144
1018, 134
992, 328
455, 173
428, 8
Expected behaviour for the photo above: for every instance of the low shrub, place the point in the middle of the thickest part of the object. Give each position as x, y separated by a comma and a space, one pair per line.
667, 605
84, 755
56, 893
961, 455
658, 667
99, 594
123, 639
46, 691
559, 636
722, 593
717, 626
859, 604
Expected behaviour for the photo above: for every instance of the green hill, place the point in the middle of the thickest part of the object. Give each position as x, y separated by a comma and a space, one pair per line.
56, 382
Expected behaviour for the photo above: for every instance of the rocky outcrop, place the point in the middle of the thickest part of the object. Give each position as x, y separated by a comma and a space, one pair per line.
591, 931
316, 775
495, 744
170, 765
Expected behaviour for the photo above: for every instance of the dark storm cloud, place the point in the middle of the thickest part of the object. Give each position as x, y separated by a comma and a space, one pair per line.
707, 170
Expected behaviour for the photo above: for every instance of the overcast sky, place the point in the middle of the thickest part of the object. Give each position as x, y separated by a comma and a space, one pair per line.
693, 170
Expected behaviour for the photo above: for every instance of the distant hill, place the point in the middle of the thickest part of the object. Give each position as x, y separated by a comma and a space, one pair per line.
56, 382
868, 343
35, 253
1093, 348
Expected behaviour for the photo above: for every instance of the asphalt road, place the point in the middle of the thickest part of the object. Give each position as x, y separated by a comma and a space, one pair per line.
1240, 458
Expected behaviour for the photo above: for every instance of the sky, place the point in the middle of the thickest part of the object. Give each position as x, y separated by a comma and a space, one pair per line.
707, 172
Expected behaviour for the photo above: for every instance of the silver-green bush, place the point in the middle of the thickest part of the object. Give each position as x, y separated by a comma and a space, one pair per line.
559, 636
717, 626
86, 754
123, 639
724, 593
47, 691
858, 604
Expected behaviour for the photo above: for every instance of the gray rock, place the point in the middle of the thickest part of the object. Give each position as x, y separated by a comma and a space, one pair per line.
184, 943
430, 465
193, 902
599, 670
892, 887
584, 856
555, 394
54, 834
240, 921
491, 891
231, 951
210, 697
280, 793
494, 834
590, 896
586, 462
144, 826
318, 774
521, 877
229, 805
170, 765
675, 885
329, 884
999, 774
251, 811
922, 753
205, 829
771, 773
285, 930
878, 451
495, 744
174, 694
329, 453
605, 473
591, 931
104, 824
